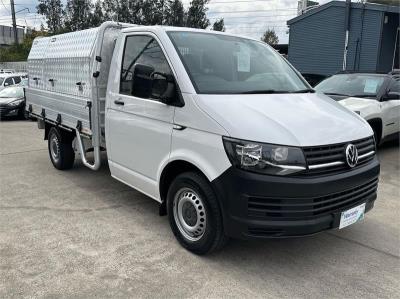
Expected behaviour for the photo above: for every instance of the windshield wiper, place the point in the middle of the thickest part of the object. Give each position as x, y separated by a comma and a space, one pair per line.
336, 94
304, 91
266, 91
271, 91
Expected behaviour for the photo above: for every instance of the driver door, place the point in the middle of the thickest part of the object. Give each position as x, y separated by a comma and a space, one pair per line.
139, 127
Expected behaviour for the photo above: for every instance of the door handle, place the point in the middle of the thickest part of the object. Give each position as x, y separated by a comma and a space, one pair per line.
119, 102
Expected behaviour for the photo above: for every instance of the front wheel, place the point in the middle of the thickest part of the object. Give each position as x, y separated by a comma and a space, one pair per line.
22, 113
61, 153
194, 214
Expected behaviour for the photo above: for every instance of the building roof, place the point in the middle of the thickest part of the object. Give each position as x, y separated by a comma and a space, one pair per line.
369, 6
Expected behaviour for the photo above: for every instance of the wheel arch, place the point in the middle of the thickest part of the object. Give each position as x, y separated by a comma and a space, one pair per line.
171, 171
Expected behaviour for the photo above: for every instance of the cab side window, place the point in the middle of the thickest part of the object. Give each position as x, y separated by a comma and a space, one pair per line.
8, 82
145, 51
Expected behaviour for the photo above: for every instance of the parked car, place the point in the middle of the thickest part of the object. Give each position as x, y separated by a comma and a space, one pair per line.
7, 80
6, 71
217, 128
376, 97
12, 102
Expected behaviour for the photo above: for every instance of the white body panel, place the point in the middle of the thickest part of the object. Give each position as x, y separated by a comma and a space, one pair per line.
288, 119
388, 111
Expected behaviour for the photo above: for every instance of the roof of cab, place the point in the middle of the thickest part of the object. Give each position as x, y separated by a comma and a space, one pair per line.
164, 29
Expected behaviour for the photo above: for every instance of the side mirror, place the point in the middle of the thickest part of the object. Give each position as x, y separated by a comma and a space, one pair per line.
6, 84
164, 88
142, 83
391, 95
150, 84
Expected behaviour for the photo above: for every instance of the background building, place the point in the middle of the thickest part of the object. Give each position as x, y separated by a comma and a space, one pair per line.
318, 37
7, 35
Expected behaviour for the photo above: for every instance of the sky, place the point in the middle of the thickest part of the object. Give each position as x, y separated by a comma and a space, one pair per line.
245, 17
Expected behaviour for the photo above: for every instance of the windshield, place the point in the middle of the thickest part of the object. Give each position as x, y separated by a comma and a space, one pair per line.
220, 64
12, 92
359, 85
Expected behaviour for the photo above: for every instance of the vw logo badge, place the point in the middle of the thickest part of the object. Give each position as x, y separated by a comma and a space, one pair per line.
351, 155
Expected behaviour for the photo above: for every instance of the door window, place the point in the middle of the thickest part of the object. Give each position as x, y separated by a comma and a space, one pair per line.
8, 82
17, 80
145, 50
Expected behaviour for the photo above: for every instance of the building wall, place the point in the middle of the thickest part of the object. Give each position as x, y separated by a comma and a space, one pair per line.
388, 43
316, 43
7, 35
364, 40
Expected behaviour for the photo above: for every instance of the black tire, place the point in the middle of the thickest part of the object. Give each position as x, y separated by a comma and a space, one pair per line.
376, 136
61, 153
376, 126
212, 237
23, 114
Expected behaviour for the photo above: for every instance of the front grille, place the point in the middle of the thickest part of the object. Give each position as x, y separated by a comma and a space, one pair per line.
296, 208
331, 158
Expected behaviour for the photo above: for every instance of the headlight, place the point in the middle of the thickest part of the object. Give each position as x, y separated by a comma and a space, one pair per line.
16, 102
264, 158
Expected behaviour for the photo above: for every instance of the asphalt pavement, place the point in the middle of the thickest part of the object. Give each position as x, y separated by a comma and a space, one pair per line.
83, 234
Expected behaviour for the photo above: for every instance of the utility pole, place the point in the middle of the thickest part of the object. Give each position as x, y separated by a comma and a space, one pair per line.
14, 22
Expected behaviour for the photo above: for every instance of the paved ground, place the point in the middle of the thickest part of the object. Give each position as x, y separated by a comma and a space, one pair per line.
83, 234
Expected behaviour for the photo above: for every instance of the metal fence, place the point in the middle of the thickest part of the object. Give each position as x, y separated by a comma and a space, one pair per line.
18, 66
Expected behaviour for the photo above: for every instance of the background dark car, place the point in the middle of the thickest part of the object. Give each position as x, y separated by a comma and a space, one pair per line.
12, 102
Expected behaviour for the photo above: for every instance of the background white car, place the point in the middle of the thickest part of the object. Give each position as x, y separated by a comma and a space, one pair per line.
7, 80
376, 97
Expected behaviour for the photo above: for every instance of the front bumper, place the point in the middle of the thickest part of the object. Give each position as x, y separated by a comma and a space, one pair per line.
262, 206
8, 110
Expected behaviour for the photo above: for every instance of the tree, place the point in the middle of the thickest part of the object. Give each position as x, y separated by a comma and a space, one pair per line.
197, 17
110, 9
128, 11
219, 25
153, 12
270, 37
174, 14
53, 11
97, 16
78, 14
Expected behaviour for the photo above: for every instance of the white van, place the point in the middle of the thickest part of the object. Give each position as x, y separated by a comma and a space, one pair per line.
221, 130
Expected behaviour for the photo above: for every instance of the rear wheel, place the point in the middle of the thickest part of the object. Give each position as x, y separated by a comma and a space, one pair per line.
194, 214
61, 153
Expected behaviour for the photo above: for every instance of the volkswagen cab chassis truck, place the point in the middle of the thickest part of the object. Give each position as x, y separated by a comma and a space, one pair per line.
219, 129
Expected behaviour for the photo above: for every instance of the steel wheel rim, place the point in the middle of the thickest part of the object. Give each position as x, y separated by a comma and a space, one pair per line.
55, 148
189, 214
